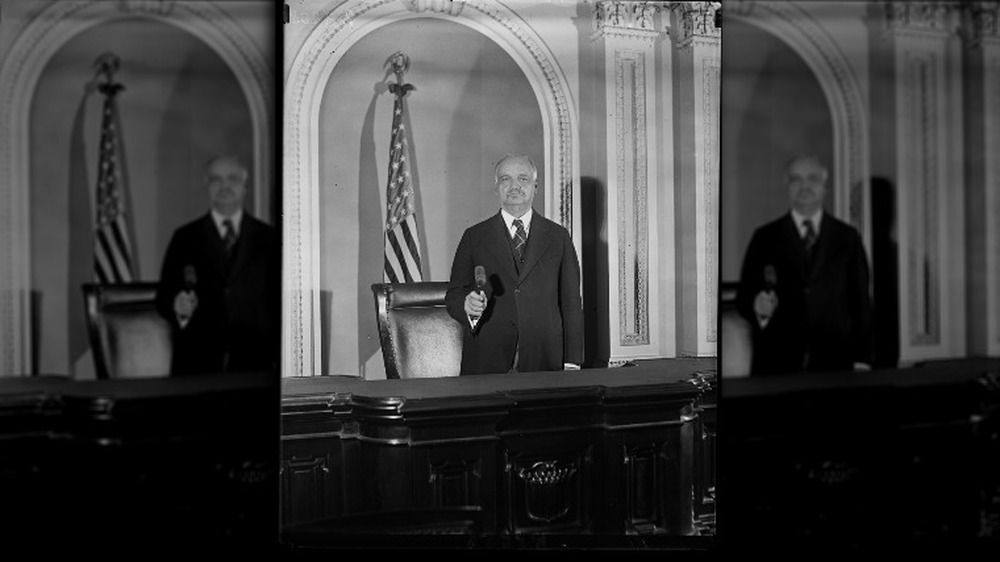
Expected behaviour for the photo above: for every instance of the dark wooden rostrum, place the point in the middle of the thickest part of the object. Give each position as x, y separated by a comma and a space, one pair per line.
152, 464
599, 452
902, 457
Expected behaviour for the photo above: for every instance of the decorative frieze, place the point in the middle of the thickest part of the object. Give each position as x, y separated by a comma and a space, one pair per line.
920, 19
696, 20
632, 20
981, 22
447, 7
148, 7
917, 15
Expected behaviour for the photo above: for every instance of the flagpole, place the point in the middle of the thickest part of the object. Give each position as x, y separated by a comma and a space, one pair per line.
118, 255
402, 245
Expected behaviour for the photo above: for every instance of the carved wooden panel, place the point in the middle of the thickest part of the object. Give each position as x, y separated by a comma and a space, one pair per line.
549, 491
455, 482
304, 482
645, 468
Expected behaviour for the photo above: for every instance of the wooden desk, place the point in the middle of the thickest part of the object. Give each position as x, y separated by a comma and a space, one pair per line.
600, 451
182, 461
888, 455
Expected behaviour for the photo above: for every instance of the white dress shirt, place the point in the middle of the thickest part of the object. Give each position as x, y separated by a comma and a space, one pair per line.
508, 219
236, 219
799, 218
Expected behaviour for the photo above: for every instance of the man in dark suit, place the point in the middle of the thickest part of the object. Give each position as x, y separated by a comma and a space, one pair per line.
220, 283
804, 285
528, 315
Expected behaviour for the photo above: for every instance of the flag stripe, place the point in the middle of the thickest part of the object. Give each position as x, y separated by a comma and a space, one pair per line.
113, 258
411, 242
398, 254
390, 273
121, 245
103, 260
115, 255
392, 263
402, 246
118, 266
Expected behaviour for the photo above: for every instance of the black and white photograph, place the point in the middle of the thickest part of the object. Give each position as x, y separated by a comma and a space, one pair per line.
859, 291
500, 276
613, 277
140, 277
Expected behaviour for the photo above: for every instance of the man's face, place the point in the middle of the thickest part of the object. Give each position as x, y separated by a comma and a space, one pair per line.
806, 180
515, 183
226, 184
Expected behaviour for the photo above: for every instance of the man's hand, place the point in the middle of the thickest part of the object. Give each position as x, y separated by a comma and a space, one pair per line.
185, 304
764, 306
475, 304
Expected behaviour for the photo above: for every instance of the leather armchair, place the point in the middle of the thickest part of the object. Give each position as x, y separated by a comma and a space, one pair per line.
128, 337
736, 334
419, 338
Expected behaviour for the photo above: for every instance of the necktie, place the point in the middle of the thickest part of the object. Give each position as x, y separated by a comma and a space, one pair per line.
809, 239
229, 237
520, 239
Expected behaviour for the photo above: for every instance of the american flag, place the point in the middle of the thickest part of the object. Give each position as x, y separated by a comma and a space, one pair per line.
113, 258
402, 249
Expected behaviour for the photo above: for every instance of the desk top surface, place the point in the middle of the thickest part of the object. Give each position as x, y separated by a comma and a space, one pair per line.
929, 374
644, 373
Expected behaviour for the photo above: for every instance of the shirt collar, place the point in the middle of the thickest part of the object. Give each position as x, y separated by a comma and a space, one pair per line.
816, 219
237, 220
508, 220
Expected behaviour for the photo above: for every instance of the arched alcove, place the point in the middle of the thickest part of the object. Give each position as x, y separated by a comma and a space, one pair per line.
850, 168
176, 110
306, 77
38, 39
471, 104
773, 109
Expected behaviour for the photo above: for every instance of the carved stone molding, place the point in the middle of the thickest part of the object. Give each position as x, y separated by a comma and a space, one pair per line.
919, 19
632, 219
916, 15
992, 126
146, 7
448, 7
697, 21
922, 154
711, 77
981, 24
627, 20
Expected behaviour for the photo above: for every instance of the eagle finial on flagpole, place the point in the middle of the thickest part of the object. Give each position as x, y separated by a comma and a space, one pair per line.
107, 65
400, 63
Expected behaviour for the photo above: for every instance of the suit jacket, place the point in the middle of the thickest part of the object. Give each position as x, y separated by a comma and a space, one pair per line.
823, 318
533, 307
236, 326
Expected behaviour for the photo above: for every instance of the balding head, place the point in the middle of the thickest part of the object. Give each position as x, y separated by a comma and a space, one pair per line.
516, 183
226, 178
805, 178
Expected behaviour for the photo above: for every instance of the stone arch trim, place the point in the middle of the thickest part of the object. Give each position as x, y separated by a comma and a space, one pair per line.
22, 66
851, 166
305, 80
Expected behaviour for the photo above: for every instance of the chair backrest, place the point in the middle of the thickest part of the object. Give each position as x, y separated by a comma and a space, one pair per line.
419, 338
737, 336
128, 337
